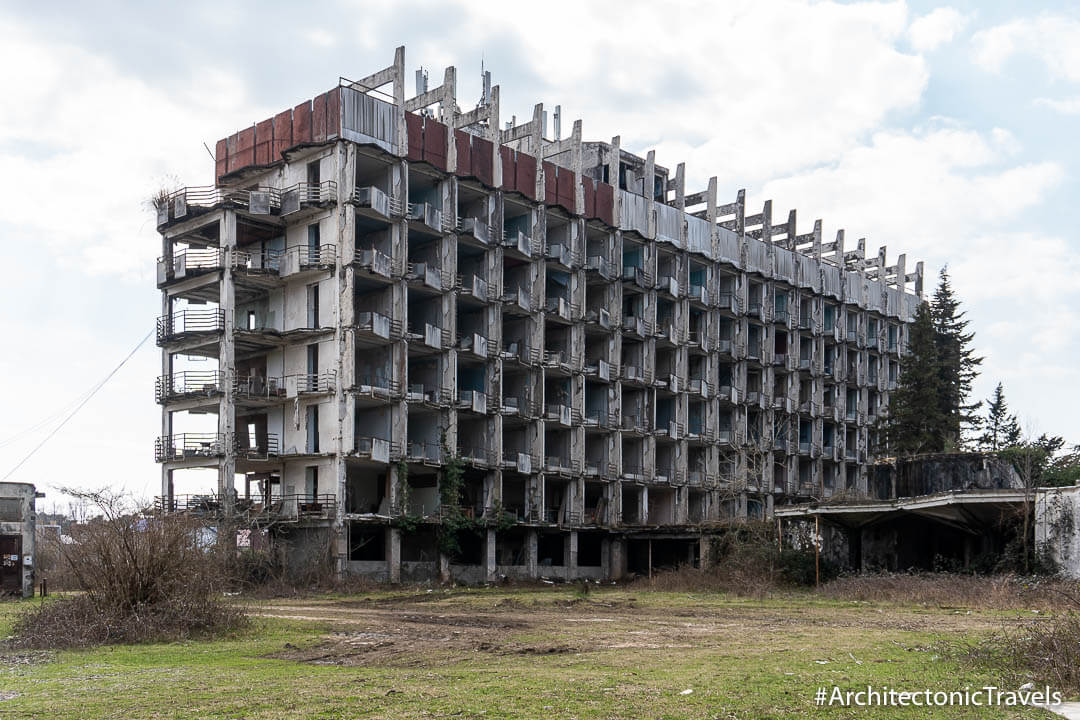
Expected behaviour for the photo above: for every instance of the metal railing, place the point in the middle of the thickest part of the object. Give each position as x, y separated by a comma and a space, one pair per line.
184, 446
188, 384
180, 204
185, 322
255, 387
304, 194
259, 450
314, 382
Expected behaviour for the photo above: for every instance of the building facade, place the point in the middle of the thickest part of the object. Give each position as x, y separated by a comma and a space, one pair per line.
607, 364
17, 550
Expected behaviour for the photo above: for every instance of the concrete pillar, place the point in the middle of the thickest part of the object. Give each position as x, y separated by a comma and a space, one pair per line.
489, 556
705, 550
227, 367
617, 561
531, 551
393, 555
571, 554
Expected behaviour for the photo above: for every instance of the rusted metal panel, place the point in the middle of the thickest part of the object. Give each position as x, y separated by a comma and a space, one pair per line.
264, 139
551, 187
482, 159
605, 203
318, 118
509, 168
526, 175
464, 153
333, 113
245, 146
221, 157
414, 125
369, 121
589, 191
282, 133
435, 143
567, 181
301, 123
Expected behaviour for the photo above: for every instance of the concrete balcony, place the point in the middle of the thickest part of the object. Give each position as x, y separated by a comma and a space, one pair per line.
188, 385
189, 446
189, 324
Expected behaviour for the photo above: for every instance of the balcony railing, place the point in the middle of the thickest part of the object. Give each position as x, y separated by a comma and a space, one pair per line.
258, 448
189, 322
190, 201
188, 384
376, 200
308, 383
186, 446
304, 195
254, 387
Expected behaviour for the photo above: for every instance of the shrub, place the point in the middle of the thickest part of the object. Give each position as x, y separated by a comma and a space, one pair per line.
142, 576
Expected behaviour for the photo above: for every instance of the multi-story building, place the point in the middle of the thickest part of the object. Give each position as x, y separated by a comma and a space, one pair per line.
609, 364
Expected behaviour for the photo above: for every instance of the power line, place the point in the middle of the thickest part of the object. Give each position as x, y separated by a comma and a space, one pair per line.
79, 407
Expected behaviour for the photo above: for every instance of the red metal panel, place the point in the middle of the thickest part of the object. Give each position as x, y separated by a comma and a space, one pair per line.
333, 113
464, 153
318, 119
526, 175
509, 168
567, 182
221, 157
242, 149
589, 191
482, 152
282, 133
435, 143
264, 138
414, 124
301, 123
551, 188
605, 203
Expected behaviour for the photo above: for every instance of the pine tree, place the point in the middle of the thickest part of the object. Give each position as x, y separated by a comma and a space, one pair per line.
959, 366
916, 421
1000, 429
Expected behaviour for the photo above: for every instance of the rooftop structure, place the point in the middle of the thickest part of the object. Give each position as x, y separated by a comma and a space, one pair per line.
383, 285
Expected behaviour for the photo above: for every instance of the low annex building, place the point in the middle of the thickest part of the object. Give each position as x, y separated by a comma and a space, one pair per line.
377, 286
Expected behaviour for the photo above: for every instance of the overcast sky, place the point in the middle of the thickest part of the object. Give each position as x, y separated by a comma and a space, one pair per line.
947, 132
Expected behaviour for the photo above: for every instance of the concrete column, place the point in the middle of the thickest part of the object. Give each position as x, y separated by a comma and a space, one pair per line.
705, 550
393, 555
571, 555
616, 558
531, 551
489, 556
227, 367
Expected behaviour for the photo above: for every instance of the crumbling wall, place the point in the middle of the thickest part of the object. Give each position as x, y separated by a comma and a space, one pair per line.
945, 472
1056, 529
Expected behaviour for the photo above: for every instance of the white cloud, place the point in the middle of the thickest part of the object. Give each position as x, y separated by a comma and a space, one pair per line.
936, 28
1065, 106
1050, 38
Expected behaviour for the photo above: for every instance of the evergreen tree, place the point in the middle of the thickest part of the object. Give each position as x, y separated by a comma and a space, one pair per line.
916, 421
958, 364
1000, 429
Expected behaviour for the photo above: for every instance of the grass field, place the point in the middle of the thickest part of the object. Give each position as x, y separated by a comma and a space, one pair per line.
519, 653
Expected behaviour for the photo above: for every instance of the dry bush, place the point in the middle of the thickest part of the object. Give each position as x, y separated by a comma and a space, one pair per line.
744, 560
142, 577
997, 592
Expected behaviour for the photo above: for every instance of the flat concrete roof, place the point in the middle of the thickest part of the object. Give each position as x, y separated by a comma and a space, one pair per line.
963, 508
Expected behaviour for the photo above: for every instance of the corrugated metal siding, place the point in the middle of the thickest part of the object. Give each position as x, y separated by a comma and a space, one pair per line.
333, 114
567, 189
873, 295
634, 214
588, 190
463, 147
892, 302
551, 183
698, 238
509, 168
854, 292
434, 143
371, 121
729, 247
911, 306
785, 265
414, 126
221, 157
669, 222
318, 118
757, 259
301, 121
282, 133
605, 203
264, 141
526, 175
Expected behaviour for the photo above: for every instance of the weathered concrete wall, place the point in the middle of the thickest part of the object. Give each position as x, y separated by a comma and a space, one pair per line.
1056, 528
18, 517
929, 474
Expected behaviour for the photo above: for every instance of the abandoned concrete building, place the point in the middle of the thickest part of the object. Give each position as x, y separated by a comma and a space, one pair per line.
17, 517
384, 285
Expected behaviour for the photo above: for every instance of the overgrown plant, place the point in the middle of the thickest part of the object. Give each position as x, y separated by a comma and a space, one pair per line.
454, 522
143, 577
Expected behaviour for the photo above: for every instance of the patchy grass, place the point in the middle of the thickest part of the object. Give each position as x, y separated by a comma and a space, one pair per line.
510, 653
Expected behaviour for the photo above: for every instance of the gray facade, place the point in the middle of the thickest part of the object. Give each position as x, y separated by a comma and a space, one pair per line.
17, 551
380, 283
